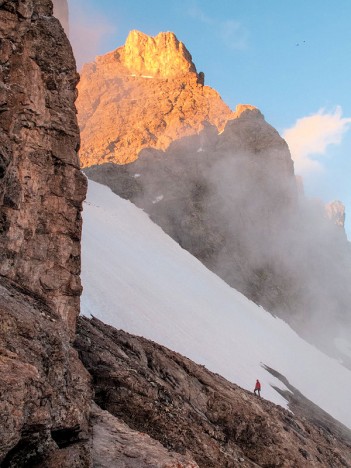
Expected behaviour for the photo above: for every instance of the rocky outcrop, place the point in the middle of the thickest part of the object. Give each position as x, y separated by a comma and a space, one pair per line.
44, 389
145, 94
116, 444
161, 56
194, 412
41, 186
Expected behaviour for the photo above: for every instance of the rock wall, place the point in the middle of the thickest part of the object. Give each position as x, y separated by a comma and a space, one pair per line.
41, 186
45, 392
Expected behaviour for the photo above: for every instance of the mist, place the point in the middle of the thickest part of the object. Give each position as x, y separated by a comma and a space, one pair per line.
232, 200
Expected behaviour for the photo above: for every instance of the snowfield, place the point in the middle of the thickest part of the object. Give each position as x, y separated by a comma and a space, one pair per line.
136, 278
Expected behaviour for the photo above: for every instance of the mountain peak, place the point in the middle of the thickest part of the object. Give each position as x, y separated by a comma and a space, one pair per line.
162, 55
144, 94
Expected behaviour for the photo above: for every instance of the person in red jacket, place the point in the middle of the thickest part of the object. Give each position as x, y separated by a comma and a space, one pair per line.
257, 388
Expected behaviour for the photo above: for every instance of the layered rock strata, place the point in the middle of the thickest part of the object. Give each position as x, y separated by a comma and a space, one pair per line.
145, 94
192, 411
44, 389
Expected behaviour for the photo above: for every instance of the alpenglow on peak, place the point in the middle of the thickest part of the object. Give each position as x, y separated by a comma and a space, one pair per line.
162, 55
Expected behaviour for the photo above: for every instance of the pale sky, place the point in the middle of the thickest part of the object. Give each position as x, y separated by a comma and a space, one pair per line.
291, 59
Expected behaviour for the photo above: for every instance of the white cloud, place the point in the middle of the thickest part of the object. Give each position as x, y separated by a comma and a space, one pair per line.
310, 137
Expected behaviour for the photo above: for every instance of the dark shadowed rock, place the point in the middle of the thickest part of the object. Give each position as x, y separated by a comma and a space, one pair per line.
116, 444
44, 389
217, 196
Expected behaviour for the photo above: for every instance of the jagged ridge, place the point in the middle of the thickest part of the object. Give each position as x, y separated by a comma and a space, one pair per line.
145, 94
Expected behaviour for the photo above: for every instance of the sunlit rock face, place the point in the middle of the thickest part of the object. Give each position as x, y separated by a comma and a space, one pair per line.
162, 55
145, 94
41, 186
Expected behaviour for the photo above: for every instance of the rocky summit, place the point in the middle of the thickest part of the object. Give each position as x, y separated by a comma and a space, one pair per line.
144, 94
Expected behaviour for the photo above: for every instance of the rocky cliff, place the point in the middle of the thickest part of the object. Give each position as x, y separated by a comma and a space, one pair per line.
144, 94
42, 188
45, 390
220, 196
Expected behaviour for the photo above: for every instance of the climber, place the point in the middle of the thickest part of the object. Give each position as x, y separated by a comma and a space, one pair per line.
257, 388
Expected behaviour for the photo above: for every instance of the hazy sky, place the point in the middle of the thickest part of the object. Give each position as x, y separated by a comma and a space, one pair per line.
290, 58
